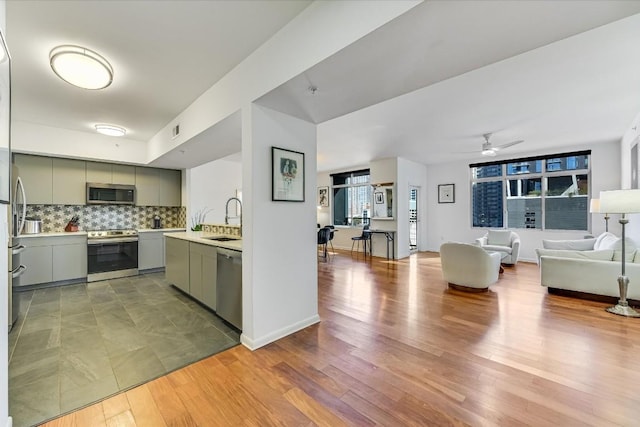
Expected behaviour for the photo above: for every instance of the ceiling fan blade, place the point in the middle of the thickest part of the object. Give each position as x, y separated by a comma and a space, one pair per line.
508, 144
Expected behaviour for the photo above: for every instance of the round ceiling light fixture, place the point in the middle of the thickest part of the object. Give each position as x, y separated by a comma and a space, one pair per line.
111, 130
81, 67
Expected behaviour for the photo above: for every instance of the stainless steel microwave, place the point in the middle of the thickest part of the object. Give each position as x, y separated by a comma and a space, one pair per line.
110, 194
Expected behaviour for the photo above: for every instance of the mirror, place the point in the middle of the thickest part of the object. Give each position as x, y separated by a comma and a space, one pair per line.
383, 201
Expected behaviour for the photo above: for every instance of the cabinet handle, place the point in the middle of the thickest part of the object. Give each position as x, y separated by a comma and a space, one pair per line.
18, 272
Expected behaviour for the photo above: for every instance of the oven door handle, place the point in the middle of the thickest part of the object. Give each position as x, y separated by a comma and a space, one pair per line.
108, 241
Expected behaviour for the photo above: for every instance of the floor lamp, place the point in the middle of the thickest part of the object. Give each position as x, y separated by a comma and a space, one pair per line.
621, 202
594, 207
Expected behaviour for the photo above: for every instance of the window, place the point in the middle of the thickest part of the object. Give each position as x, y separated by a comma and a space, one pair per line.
352, 196
547, 192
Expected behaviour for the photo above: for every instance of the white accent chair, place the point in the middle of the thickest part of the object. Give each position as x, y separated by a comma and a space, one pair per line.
505, 241
468, 267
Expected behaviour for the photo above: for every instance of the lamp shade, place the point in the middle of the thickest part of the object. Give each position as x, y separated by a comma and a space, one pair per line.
594, 207
620, 201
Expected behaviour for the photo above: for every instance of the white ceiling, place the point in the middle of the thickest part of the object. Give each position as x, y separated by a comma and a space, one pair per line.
425, 87
522, 70
164, 53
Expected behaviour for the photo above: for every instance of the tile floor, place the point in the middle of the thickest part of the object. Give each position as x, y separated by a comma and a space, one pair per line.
77, 344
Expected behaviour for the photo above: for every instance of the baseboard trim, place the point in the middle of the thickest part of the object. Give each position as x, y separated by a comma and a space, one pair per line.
9, 422
254, 344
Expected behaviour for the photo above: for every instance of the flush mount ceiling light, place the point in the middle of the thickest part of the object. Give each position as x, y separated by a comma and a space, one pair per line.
111, 130
81, 67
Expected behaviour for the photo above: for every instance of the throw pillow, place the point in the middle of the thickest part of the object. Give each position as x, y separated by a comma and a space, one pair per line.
602, 255
629, 250
605, 241
575, 245
499, 237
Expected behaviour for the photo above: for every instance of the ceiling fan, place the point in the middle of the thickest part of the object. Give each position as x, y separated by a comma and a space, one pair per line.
489, 149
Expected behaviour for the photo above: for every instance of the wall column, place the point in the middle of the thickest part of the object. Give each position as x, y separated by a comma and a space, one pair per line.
279, 260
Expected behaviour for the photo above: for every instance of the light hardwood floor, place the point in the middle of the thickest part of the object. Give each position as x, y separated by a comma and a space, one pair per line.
396, 347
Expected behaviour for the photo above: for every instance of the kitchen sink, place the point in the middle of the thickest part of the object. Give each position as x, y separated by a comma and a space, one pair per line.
222, 238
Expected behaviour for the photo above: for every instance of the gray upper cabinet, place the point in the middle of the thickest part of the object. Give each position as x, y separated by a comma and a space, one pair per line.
63, 181
147, 193
69, 182
170, 182
158, 187
36, 173
124, 174
99, 172
107, 173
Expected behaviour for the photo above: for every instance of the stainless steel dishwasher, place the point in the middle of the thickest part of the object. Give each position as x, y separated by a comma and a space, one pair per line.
229, 286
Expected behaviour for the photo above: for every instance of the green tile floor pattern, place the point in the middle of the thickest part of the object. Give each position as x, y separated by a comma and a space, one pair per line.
75, 345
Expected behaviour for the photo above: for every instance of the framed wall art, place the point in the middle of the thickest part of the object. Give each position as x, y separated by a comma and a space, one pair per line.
446, 193
323, 197
287, 175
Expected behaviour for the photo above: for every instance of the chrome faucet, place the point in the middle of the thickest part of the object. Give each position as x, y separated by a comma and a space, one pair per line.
226, 212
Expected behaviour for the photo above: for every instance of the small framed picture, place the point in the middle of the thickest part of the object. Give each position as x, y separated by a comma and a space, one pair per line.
379, 197
287, 175
446, 193
323, 197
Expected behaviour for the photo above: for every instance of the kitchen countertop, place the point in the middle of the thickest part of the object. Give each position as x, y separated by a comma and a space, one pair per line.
154, 230
201, 237
53, 234
84, 233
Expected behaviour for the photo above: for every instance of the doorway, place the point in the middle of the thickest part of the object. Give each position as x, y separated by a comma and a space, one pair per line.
413, 218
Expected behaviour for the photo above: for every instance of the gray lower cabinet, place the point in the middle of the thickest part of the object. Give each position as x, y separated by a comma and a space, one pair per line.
192, 267
150, 250
177, 262
69, 259
53, 259
39, 263
202, 273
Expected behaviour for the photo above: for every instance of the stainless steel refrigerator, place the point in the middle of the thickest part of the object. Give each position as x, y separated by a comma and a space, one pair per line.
9, 183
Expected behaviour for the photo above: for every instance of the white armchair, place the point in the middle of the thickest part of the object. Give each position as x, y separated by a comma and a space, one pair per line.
505, 241
468, 267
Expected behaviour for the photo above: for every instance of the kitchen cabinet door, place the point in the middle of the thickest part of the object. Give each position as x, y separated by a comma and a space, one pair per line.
99, 172
195, 271
36, 173
150, 250
147, 188
123, 174
170, 187
177, 262
70, 261
209, 273
69, 182
202, 273
39, 263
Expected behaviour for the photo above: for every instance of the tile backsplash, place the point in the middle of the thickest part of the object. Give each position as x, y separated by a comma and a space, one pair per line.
104, 217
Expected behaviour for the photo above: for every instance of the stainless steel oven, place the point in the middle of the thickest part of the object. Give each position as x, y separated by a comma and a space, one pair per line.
111, 254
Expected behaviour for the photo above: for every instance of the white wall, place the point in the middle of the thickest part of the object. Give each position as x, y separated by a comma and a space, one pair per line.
38, 139
630, 138
324, 214
279, 262
452, 221
209, 186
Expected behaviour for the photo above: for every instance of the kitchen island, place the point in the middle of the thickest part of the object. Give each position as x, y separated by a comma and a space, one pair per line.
208, 267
